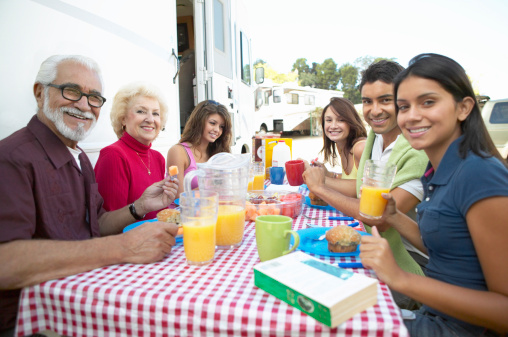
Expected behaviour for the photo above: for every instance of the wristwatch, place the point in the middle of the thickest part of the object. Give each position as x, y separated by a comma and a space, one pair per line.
136, 216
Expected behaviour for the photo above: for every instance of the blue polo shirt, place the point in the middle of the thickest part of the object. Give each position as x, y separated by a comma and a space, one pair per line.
449, 192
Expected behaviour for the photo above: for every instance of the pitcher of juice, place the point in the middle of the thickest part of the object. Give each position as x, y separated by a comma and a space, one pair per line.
228, 175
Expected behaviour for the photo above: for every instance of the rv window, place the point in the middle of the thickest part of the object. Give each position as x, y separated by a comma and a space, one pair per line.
292, 98
310, 100
218, 23
245, 53
259, 99
277, 96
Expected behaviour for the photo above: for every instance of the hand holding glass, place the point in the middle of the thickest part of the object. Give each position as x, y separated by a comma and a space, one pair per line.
378, 177
294, 171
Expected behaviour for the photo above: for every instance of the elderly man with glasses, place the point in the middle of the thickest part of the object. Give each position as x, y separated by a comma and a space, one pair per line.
52, 223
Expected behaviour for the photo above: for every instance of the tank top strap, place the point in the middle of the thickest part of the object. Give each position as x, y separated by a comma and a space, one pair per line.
354, 170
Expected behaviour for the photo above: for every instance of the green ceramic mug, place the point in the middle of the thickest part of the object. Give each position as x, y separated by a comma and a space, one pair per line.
273, 234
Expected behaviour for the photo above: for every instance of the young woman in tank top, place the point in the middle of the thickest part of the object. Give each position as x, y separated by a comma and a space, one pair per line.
343, 138
207, 132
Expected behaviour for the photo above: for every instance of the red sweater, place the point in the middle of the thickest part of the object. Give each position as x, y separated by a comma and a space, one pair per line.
122, 175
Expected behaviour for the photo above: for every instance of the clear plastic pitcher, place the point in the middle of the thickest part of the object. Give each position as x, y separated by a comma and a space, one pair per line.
228, 175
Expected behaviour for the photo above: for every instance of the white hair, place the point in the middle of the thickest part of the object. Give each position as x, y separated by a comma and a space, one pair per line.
48, 70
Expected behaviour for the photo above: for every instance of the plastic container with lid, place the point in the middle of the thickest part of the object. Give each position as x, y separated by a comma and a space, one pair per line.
281, 154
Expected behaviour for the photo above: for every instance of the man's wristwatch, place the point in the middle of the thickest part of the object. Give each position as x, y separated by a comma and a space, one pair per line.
136, 216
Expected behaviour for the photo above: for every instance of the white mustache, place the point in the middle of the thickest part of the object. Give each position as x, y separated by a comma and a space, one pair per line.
77, 112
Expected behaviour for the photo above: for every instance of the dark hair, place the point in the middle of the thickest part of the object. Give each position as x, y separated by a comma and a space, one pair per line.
344, 108
383, 70
452, 77
194, 127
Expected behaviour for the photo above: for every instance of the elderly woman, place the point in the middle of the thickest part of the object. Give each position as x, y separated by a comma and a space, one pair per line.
127, 167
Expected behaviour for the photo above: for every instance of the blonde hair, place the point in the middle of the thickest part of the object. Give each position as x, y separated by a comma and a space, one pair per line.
125, 95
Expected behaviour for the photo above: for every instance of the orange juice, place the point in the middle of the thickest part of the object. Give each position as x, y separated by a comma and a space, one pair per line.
230, 225
249, 187
259, 182
199, 242
372, 204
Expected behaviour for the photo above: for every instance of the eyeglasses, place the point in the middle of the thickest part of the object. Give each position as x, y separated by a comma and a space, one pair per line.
73, 94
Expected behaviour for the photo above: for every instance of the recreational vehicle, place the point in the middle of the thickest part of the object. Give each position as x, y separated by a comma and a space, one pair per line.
288, 107
192, 49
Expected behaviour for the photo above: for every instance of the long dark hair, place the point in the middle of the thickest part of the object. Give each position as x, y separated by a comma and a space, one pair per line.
194, 127
343, 108
452, 77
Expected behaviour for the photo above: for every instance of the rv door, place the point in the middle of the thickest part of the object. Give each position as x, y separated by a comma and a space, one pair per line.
204, 47
214, 56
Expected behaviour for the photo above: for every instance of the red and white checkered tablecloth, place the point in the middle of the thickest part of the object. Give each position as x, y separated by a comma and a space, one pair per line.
171, 298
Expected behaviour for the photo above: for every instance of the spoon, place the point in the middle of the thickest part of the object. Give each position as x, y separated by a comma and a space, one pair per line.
354, 224
345, 218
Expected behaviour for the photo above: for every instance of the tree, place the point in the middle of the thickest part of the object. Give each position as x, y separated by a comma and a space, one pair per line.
327, 76
301, 66
348, 75
307, 80
364, 62
273, 75
258, 63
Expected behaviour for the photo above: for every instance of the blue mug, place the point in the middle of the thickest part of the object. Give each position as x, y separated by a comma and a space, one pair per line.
277, 175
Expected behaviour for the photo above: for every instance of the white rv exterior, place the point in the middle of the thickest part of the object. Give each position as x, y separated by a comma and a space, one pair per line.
132, 40
287, 106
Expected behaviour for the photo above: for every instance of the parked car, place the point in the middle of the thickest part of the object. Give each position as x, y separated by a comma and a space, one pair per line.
495, 116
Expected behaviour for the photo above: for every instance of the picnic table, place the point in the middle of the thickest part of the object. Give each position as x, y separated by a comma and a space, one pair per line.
171, 298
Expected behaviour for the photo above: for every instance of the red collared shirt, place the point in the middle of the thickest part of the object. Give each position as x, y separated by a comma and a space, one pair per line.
43, 195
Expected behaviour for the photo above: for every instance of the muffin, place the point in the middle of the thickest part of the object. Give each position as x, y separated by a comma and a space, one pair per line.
343, 239
315, 200
170, 215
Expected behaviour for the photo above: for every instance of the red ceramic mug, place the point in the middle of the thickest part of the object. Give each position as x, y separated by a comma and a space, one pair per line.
294, 171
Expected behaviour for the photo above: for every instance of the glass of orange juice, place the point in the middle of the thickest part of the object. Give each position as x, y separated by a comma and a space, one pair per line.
199, 210
258, 169
230, 224
250, 187
378, 177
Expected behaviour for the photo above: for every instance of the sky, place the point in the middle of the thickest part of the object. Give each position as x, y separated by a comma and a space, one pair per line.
472, 32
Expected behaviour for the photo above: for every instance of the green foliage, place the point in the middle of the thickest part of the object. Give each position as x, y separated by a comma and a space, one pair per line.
259, 62
301, 66
273, 75
327, 75
307, 79
349, 78
364, 62
282, 78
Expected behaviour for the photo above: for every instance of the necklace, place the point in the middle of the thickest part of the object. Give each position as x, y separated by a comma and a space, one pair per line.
147, 167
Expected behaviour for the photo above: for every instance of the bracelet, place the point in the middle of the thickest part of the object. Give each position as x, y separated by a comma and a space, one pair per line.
136, 216
336, 175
